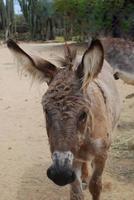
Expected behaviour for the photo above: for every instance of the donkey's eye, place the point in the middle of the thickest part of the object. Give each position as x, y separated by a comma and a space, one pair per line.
82, 116
48, 116
45, 111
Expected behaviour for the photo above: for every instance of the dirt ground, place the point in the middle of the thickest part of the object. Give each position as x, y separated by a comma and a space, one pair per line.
24, 149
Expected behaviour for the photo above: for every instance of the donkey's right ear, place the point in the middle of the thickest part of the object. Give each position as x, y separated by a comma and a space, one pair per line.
39, 68
91, 64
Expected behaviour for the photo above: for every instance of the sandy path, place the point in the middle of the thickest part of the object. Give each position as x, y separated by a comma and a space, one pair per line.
24, 150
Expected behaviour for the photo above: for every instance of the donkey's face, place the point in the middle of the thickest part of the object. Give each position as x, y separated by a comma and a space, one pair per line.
66, 114
66, 111
68, 117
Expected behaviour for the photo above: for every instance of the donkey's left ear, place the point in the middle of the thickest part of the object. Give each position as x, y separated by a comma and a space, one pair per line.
92, 62
37, 67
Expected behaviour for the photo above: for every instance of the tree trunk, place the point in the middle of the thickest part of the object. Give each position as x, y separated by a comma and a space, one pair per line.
9, 19
116, 26
3, 15
51, 36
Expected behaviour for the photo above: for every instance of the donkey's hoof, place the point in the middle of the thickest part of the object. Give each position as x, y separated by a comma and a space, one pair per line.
84, 185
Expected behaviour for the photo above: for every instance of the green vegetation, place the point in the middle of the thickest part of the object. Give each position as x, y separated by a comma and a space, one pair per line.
72, 19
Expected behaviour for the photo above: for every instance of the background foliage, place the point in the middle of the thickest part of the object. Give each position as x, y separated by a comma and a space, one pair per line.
73, 19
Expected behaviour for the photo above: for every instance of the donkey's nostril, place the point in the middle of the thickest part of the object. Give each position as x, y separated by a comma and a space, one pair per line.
73, 177
51, 173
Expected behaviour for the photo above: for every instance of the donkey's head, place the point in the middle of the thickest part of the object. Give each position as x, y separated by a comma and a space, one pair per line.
65, 104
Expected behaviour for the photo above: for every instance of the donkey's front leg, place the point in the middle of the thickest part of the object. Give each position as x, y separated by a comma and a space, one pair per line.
95, 184
76, 192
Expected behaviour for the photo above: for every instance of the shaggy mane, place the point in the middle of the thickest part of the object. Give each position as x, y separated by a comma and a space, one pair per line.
69, 57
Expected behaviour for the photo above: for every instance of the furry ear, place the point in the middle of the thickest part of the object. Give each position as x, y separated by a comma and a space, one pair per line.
39, 68
92, 62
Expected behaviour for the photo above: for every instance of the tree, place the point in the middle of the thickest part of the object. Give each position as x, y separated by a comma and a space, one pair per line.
39, 18
96, 17
2, 15
7, 17
72, 12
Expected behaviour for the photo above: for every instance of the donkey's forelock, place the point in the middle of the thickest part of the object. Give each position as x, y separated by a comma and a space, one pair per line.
64, 91
70, 57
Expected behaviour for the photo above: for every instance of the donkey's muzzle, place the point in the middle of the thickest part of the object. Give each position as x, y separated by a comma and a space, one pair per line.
61, 176
61, 172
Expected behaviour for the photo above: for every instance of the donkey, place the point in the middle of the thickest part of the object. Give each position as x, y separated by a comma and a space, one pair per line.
120, 55
127, 77
82, 108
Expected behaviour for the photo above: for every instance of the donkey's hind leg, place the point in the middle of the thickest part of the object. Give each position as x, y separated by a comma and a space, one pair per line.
95, 184
85, 175
76, 192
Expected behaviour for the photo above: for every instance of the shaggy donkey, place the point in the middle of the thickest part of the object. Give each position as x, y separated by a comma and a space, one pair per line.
120, 55
82, 108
